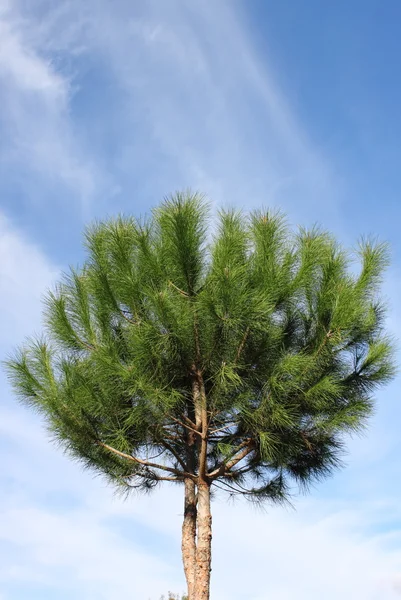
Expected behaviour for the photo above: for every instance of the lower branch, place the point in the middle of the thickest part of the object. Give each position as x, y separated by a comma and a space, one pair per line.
145, 463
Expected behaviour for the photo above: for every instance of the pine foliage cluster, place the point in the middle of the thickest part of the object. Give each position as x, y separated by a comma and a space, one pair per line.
289, 340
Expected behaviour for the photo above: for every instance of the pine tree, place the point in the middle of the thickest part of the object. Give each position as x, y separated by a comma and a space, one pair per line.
238, 364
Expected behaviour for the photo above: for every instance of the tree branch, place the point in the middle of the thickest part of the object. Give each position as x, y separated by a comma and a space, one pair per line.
145, 463
156, 476
242, 492
175, 454
235, 458
86, 345
186, 426
242, 344
185, 294
124, 316
223, 428
241, 471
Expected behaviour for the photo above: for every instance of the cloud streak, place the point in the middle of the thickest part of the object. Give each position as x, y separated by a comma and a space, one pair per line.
25, 273
188, 102
199, 92
39, 137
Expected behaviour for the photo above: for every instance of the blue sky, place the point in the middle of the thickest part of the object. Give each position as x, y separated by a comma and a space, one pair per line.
107, 107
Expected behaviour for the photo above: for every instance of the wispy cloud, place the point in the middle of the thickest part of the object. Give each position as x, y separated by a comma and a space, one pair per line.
91, 560
200, 98
25, 273
38, 133
188, 102
104, 547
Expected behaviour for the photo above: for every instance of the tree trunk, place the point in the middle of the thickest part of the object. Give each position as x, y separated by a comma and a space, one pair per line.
204, 543
188, 545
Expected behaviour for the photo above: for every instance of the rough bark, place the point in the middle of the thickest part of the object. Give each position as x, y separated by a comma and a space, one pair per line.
204, 543
189, 537
188, 543
197, 399
200, 404
203, 513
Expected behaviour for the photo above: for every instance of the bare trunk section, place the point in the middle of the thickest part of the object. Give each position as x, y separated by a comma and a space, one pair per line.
197, 399
188, 545
204, 544
203, 515
200, 404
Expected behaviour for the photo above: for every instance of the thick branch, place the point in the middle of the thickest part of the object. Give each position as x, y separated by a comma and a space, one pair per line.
145, 463
247, 447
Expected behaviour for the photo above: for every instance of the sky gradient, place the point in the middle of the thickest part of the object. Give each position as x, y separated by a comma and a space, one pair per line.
106, 107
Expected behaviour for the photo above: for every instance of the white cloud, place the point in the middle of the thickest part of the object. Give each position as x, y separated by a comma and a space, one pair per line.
25, 274
39, 135
312, 553
92, 558
25, 69
211, 109
193, 77
71, 533
194, 105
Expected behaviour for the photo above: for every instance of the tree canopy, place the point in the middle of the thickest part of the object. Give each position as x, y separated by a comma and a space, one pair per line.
239, 358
